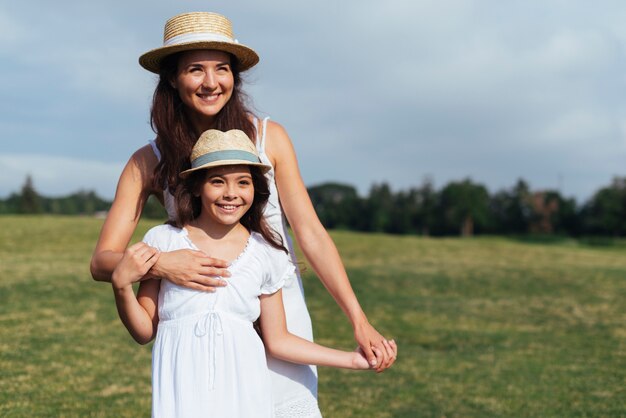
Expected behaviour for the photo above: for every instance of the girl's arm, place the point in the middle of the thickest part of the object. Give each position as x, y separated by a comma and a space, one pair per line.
288, 347
139, 314
317, 245
192, 269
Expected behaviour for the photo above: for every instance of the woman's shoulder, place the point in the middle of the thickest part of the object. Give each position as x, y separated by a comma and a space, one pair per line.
275, 129
278, 143
145, 157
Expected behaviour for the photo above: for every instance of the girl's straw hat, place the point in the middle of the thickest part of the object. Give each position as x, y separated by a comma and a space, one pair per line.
216, 148
198, 30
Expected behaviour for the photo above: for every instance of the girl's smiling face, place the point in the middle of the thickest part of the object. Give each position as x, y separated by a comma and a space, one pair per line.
205, 82
226, 195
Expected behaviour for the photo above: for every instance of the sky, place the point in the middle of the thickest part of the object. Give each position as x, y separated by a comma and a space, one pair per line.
369, 91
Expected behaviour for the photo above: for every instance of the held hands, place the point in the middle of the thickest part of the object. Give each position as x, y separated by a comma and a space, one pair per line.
136, 262
360, 361
379, 352
191, 269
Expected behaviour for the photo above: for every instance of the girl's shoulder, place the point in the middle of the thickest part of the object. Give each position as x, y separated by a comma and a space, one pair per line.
275, 265
163, 237
264, 247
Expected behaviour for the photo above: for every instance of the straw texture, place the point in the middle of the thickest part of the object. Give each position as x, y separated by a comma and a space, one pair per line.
199, 30
214, 142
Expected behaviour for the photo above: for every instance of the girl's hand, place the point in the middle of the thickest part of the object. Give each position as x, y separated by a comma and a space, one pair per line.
191, 269
359, 362
379, 352
138, 259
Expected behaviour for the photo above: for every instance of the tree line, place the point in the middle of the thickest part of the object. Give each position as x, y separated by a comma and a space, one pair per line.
467, 208
459, 208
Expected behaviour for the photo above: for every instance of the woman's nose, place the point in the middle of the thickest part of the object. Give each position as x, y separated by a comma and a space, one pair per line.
210, 81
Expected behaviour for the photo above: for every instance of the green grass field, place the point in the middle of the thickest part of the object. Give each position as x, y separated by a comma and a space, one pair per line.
486, 327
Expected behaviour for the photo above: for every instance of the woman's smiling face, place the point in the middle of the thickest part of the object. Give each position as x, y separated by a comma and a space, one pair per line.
205, 83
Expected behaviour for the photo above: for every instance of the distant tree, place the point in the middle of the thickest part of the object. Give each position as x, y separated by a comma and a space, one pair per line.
420, 207
512, 210
605, 212
566, 219
401, 213
153, 209
378, 210
465, 206
335, 205
30, 201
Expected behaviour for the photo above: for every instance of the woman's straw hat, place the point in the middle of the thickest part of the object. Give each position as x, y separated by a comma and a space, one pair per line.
198, 30
216, 148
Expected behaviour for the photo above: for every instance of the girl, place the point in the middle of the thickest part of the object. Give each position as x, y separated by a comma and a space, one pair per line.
207, 358
199, 88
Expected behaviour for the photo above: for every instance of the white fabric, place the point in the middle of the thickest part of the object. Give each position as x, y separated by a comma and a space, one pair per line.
294, 385
199, 37
207, 359
168, 199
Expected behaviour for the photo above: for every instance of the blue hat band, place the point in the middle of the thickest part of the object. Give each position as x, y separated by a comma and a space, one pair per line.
212, 157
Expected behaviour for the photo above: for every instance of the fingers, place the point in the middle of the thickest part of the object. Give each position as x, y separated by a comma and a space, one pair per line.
210, 266
214, 262
206, 284
391, 353
213, 272
386, 353
371, 357
394, 347
382, 356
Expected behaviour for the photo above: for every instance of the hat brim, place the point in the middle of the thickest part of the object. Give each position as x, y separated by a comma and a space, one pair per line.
246, 56
264, 167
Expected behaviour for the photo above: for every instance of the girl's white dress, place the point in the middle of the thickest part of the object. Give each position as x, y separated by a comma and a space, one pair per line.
294, 386
207, 359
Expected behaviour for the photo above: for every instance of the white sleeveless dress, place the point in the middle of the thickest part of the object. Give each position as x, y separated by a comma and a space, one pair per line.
294, 386
207, 359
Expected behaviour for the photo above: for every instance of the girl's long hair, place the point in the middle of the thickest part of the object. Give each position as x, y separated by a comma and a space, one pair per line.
175, 132
189, 206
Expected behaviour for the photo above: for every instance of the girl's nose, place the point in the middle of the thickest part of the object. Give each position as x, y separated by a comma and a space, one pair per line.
230, 193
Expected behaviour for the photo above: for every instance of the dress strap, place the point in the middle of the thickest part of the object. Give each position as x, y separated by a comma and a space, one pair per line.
155, 149
260, 134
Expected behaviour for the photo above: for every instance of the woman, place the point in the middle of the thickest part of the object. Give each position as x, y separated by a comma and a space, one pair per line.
199, 88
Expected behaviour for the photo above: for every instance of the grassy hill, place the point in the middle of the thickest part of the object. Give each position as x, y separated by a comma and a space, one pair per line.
485, 327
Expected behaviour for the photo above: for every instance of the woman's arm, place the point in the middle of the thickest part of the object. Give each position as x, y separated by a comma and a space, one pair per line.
192, 269
317, 245
288, 347
138, 314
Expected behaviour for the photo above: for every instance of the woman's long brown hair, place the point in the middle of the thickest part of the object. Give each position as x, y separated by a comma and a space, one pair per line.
175, 132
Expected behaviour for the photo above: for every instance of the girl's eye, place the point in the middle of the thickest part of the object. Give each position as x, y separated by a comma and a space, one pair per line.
217, 181
244, 182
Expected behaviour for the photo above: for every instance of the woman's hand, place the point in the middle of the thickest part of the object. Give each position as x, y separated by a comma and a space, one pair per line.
191, 269
379, 352
135, 264
360, 362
